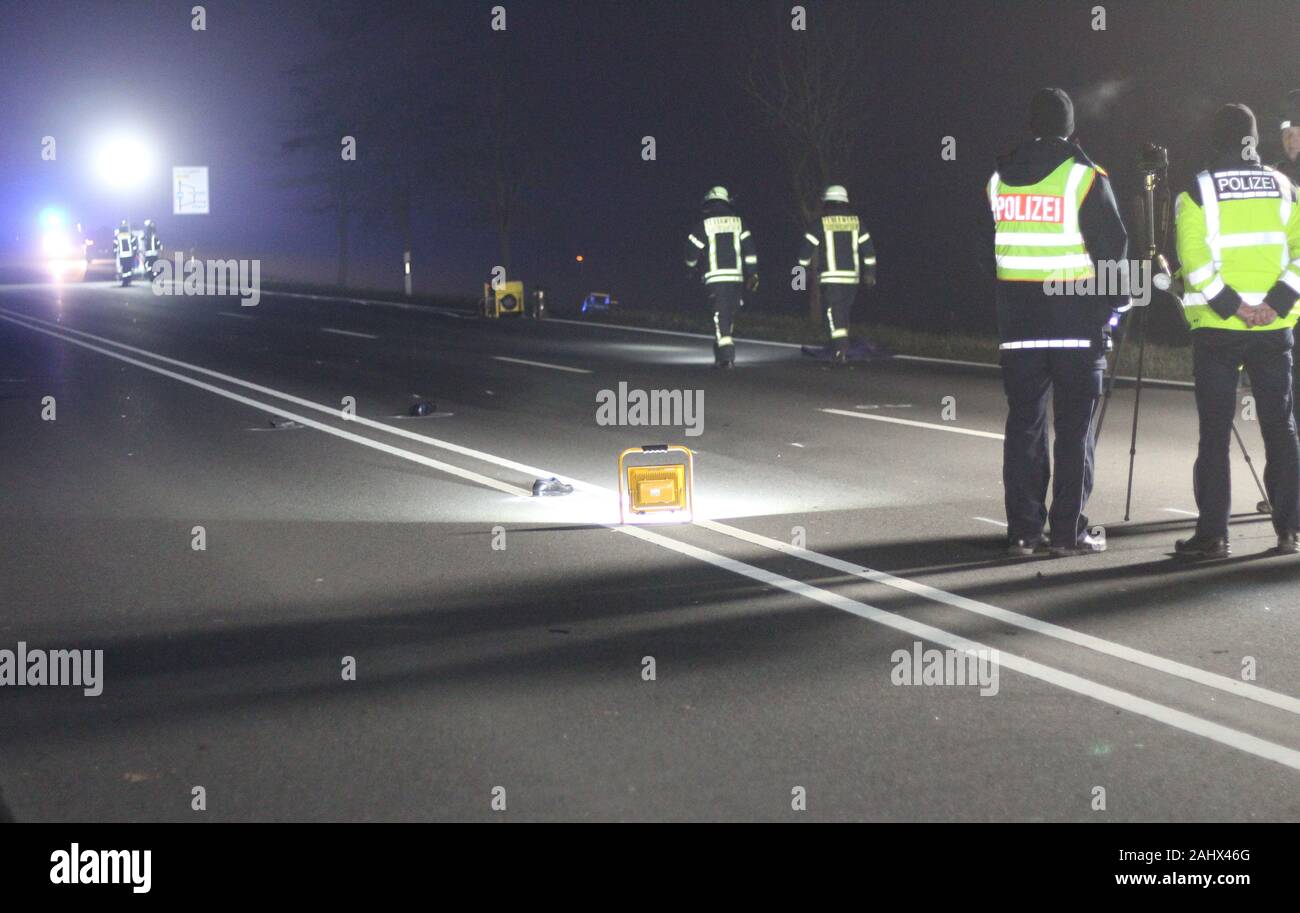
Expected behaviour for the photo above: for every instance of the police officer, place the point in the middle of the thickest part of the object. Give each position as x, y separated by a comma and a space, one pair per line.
1054, 218
848, 256
1290, 164
723, 249
1238, 231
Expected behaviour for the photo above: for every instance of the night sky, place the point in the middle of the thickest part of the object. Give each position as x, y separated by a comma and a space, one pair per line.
589, 80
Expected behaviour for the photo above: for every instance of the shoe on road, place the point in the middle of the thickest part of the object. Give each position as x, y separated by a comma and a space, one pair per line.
1023, 548
1287, 544
1086, 545
1263, 507
1202, 547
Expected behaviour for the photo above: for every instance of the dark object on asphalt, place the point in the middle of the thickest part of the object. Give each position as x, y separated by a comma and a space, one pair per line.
1201, 548
551, 486
1287, 545
286, 423
858, 350
1024, 548
423, 407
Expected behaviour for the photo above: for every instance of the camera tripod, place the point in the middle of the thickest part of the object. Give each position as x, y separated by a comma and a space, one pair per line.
1155, 165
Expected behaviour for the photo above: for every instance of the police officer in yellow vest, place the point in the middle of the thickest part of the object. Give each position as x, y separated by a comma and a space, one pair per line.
1239, 247
1054, 218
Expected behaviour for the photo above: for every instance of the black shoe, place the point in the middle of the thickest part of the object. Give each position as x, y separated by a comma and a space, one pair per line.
839, 358
1263, 508
1202, 547
1023, 548
1086, 545
1287, 544
724, 365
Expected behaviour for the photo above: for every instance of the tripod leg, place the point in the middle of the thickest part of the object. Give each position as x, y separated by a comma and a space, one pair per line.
1137, 405
1251, 465
1110, 380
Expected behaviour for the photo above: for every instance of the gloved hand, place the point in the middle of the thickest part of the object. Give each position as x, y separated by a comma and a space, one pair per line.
752, 282
869, 279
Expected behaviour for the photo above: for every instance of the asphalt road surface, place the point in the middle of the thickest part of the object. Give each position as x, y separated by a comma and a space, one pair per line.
529, 651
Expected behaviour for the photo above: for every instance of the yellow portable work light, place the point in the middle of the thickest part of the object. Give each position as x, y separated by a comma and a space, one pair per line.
656, 488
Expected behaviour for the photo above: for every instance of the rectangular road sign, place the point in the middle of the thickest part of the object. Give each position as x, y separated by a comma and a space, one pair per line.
190, 190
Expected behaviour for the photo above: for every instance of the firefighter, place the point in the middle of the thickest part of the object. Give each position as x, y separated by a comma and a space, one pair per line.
848, 256
1290, 164
1054, 218
1238, 229
151, 245
126, 248
723, 249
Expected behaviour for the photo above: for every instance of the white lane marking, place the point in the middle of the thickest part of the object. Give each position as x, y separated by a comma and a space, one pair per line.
532, 471
1178, 719
276, 410
540, 364
907, 421
988, 520
1028, 622
1047, 629
1175, 510
232, 314
338, 332
708, 336
400, 305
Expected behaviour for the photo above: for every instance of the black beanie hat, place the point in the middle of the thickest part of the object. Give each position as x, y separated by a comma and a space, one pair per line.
1291, 110
1232, 124
1051, 113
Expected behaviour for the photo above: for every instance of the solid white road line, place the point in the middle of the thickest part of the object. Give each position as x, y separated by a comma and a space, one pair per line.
1068, 635
466, 474
907, 421
1175, 510
1116, 698
1028, 622
540, 364
337, 332
988, 520
233, 314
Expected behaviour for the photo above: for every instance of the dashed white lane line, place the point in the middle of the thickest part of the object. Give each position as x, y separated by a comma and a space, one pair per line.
990, 520
338, 332
914, 424
1179, 719
540, 364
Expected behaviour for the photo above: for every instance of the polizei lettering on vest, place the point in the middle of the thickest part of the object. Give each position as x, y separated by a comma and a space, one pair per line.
1030, 207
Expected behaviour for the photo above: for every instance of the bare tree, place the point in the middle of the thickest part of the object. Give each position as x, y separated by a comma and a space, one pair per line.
809, 87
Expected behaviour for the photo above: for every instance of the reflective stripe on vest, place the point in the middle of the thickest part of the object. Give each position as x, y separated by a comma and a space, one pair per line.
1038, 237
1245, 230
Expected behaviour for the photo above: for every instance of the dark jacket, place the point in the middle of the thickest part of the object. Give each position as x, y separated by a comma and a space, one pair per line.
1025, 310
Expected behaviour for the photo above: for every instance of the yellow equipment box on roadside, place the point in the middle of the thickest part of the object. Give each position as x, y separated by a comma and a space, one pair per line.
507, 299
